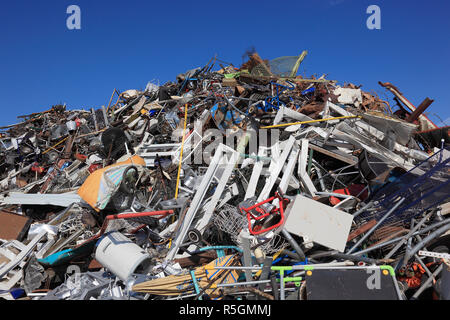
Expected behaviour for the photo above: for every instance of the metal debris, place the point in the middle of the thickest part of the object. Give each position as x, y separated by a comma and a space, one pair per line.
229, 183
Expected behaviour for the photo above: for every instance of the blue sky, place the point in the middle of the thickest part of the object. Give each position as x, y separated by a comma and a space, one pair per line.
125, 44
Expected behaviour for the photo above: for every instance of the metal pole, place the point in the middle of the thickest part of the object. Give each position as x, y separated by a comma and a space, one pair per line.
408, 236
250, 283
425, 241
399, 238
376, 226
427, 283
294, 244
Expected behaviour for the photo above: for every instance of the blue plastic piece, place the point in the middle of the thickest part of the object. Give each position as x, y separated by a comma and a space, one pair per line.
310, 90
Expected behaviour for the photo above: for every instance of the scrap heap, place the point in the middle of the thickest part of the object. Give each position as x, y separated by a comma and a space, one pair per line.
240, 183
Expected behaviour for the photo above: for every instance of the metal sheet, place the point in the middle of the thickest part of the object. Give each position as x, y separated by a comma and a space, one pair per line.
62, 199
320, 223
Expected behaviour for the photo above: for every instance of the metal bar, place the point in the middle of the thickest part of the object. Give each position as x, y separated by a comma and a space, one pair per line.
310, 121
434, 254
270, 181
301, 171
407, 236
196, 202
294, 244
425, 241
419, 110
257, 168
376, 226
181, 152
426, 284
22, 255
282, 285
244, 238
247, 283
386, 243
265, 271
105, 116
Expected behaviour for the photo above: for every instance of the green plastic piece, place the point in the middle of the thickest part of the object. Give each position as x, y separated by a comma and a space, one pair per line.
293, 279
391, 270
281, 268
232, 75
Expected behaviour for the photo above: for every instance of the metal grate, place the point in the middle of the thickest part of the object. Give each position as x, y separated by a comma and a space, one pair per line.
423, 187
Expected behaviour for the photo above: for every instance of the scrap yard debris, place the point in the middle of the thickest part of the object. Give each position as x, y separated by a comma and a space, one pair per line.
247, 183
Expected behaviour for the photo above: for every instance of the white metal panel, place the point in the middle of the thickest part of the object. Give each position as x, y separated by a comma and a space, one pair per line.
319, 223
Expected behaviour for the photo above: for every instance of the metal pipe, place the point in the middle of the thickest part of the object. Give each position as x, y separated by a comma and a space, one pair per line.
407, 236
353, 258
331, 265
419, 110
319, 175
250, 283
424, 266
368, 233
426, 284
274, 285
380, 245
425, 241
294, 244
367, 206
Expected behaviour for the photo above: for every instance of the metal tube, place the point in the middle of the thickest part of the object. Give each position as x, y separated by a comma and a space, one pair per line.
294, 244
368, 233
242, 283
353, 258
331, 265
367, 206
380, 245
426, 284
274, 285
407, 236
425, 241
423, 265
319, 175
322, 168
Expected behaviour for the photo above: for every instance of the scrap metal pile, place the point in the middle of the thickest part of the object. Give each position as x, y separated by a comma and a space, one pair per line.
229, 183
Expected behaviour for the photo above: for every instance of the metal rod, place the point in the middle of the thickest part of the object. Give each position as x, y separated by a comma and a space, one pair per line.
407, 236
426, 284
366, 207
242, 283
294, 244
380, 245
368, 233
425, 241
309, 121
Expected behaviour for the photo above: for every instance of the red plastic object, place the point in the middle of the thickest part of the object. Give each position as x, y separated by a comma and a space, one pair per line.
94, 167
263, 214
80, 156
161, 215
37, 168
353, 190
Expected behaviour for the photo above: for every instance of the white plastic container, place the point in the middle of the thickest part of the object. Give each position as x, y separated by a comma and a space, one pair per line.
121, 256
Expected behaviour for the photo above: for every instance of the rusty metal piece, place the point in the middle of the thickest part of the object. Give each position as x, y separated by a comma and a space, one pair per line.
365, 227
420, 109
